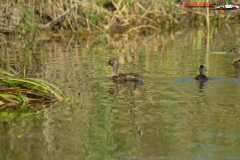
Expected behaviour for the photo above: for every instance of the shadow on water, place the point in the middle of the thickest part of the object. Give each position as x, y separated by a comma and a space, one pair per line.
211, 79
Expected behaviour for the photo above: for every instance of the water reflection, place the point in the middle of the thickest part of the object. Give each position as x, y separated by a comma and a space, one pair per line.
129, 85
170, 116
238, 72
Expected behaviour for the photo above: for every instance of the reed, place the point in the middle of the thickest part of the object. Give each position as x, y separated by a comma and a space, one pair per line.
22, 16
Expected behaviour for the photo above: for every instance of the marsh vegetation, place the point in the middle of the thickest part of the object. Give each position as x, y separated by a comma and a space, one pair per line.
21, 93
106, 16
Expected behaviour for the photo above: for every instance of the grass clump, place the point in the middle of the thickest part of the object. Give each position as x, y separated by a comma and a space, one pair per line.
22, 93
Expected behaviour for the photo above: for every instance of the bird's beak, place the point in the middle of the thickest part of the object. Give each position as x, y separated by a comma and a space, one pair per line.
106, 64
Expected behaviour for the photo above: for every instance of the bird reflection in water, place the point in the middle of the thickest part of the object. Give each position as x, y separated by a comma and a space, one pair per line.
128, 85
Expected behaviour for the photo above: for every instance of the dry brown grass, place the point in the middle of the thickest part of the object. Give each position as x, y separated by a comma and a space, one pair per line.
24, 16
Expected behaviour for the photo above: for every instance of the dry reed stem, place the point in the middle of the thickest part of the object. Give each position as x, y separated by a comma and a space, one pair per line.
68, 20
89, 28
53, 22
126, 14
96, 26
103, 10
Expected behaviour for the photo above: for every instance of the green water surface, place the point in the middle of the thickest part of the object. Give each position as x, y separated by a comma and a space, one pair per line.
168, 116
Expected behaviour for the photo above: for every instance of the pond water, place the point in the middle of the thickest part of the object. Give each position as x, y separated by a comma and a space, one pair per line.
168, 116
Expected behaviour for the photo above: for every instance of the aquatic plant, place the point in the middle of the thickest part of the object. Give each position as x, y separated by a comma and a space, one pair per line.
20, 93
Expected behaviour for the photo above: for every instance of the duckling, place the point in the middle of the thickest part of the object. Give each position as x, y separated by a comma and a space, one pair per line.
201, 77
236, 62
123, 77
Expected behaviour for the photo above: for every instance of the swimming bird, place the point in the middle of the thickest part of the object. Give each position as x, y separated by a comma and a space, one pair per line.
235, 62
123, 77
201, 77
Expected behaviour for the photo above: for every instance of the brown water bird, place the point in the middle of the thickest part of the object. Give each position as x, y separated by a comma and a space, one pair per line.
123, 77
235, 62
201, 77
